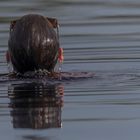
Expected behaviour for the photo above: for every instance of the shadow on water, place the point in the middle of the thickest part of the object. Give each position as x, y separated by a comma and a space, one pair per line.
36, 106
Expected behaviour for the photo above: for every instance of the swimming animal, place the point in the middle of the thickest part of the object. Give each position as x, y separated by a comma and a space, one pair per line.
34, 44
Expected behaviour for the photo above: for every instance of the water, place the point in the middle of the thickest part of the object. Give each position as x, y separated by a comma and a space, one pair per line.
98, 36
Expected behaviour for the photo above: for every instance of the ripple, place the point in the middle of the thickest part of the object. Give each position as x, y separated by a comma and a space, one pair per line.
99, 91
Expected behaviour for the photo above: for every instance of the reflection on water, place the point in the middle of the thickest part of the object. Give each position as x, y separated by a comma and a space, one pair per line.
36, 105
99, 37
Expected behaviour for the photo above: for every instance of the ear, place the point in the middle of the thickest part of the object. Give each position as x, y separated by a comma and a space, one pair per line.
53, 21
12, 24
61, 55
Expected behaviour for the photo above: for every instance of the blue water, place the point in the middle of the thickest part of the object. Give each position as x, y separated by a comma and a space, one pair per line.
102, 37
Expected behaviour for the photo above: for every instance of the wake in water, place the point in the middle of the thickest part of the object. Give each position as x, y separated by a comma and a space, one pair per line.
45, 76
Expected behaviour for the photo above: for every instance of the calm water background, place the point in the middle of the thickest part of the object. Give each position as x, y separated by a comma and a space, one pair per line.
97, 36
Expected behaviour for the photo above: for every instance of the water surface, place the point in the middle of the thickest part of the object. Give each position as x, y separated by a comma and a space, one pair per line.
102, 37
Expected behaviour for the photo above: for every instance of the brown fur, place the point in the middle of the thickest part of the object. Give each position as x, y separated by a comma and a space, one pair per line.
33, 43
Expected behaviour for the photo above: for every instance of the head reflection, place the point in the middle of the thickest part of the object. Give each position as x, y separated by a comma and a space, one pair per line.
36, 106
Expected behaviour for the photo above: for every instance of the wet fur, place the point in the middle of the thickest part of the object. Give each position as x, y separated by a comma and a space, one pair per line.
33, 44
